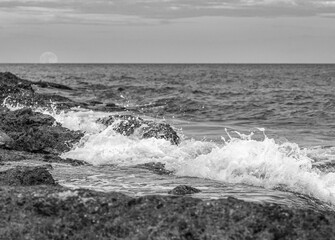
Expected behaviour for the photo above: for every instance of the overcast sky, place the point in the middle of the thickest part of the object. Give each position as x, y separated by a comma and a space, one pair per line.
168, 31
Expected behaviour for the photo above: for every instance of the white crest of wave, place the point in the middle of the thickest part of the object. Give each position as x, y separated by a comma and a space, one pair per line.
109, 147
263, 163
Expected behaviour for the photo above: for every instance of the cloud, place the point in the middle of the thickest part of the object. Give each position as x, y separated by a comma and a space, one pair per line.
153, 11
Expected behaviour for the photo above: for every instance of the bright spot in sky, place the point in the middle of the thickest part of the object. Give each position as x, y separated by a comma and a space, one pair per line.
48, 57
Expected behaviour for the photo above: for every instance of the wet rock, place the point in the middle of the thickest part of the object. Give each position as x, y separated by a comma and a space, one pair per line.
129, 124
12, 84
94, 102
17, 91
155, 167
7, 155
114, 107
26, 176
183, 190
54, 212
126, 123
5, 140
37, 132
51, 158
10, 155
14, 87
43, 84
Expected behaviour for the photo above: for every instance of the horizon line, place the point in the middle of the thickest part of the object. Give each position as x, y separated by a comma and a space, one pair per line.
170, 63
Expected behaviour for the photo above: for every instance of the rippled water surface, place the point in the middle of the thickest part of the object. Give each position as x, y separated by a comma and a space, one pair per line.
215, 108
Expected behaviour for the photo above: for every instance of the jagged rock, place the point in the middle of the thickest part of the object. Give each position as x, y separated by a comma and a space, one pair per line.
183, 190
37, 132
26, 176
128, 124
17, 91
14, 87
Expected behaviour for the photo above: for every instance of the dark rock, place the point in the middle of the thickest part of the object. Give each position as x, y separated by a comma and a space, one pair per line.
51, 158
104, 108
14, 87
37, 132
54, 212
94, 102
43, 84
155, 167
12, 84
128, 124
9, 155
26, 176
183, 190
17, 91
113, 107
5, 140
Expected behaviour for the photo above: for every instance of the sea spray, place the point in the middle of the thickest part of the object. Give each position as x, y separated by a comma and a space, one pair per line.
241, 160
263, 163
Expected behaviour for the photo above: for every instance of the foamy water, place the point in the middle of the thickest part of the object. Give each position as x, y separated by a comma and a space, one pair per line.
238, 160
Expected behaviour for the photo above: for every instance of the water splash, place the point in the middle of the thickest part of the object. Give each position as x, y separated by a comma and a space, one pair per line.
239, 160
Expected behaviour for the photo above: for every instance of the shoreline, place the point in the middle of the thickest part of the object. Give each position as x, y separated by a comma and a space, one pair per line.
34, 206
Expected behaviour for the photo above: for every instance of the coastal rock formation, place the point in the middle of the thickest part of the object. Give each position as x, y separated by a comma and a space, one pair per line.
17, 91
183, 190
129, 124
54, 212
26, 176
36, 132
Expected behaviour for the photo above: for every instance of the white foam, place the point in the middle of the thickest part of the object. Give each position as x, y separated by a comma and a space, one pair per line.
109, 147
262, 163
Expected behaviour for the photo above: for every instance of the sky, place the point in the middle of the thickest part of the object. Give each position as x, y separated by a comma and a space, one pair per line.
168, 31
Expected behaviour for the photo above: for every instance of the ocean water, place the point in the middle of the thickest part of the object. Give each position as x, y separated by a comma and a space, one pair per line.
262, 133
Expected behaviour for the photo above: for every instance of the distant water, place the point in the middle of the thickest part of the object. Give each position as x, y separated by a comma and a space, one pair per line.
251, 131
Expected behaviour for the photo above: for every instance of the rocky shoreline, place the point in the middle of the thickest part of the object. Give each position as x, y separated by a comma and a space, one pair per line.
34, 206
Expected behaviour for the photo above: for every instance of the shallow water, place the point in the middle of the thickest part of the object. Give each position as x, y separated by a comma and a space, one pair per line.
215, 109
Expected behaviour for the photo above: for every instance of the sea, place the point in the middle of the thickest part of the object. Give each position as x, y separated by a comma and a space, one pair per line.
263, 133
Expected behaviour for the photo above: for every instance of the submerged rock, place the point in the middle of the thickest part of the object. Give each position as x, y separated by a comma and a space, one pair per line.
183, 190
155, 167
44, 84
26, 176
129, 124
36, 132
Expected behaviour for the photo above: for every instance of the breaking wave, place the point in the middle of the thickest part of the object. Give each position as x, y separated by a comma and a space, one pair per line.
265, 163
